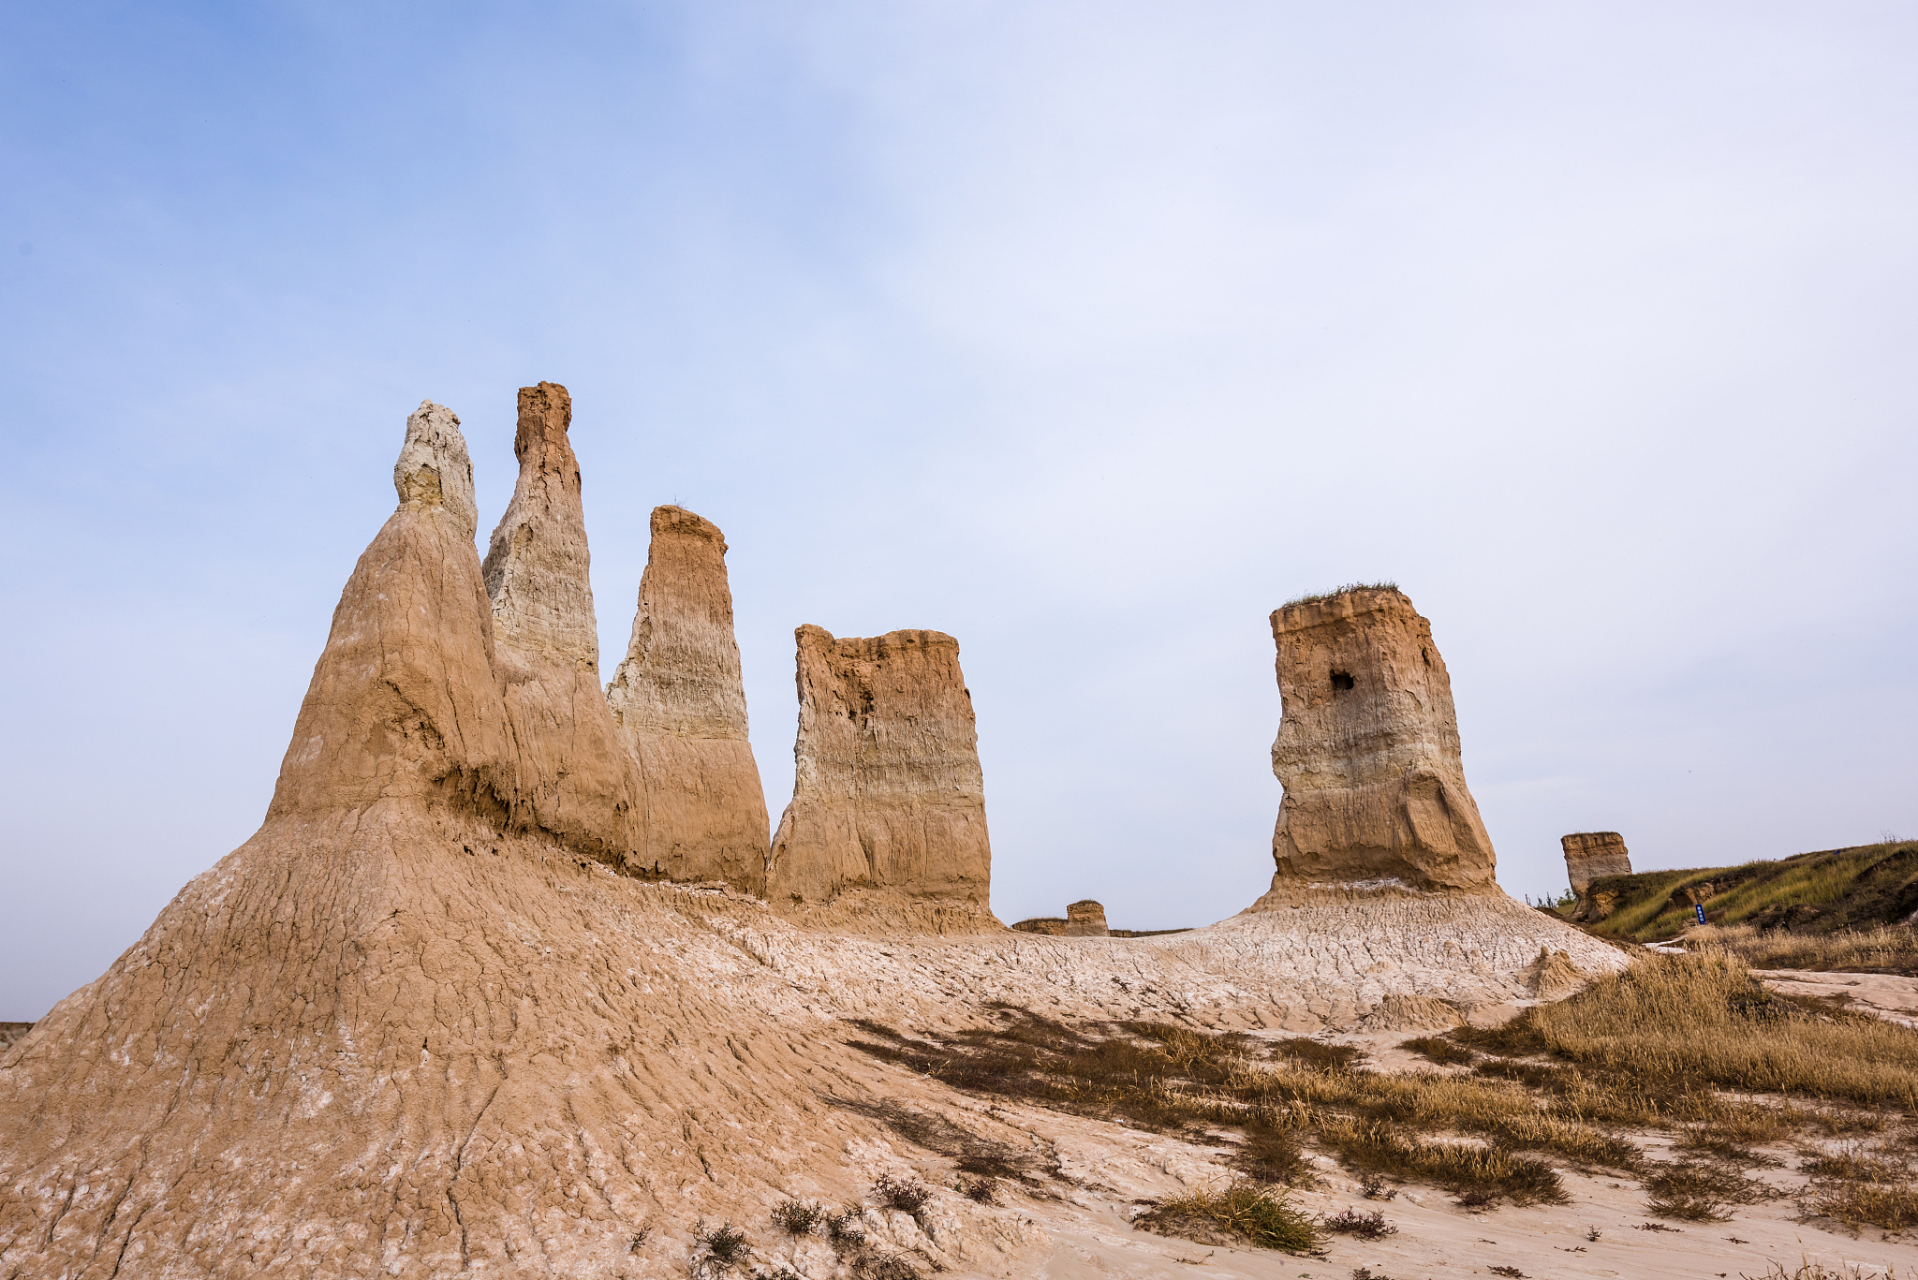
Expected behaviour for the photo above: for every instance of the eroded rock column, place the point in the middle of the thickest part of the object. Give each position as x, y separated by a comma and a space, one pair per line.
580, 782
1368, 752
888, 791
681, 708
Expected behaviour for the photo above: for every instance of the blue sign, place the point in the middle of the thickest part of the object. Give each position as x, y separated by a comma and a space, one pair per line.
1699, 907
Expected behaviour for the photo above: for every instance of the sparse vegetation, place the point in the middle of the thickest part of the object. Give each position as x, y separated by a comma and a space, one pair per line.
725, 1242
1314, 597
1689, 1045
798, 1218
1373, 1187
1696, 1192
977, 1190
902, 1192
845, 1228
1245, 1213
1366, 1226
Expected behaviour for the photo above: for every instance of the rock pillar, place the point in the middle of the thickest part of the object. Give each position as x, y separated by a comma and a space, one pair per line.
580, 781
888, 791
1591, 854
1368, 752
681, 708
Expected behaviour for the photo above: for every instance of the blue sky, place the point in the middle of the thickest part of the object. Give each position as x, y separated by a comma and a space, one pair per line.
1086, 332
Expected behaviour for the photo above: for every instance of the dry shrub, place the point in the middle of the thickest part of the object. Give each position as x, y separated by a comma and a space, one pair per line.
1699, 1192
1273, 1157
1691, 1020
1243, 1213
725, 1242
901, 1191
797, 1217
1366, 1226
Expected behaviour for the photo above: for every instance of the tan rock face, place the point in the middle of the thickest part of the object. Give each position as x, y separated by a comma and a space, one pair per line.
1591, 854
681, 708
1086, 919
888, 792
1368, 752
581, 782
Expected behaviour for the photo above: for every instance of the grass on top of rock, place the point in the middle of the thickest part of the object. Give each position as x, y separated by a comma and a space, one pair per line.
1314, 597
1679, 1044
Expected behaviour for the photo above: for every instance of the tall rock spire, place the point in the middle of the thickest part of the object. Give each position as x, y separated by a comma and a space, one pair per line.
577, 779
1368, 752
681, 707
888, 791
404, 700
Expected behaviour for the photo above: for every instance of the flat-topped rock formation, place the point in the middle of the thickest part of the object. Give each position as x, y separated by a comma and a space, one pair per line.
1591, 854
582, 782
681, 708
1085, 919
888, 794
1368, 752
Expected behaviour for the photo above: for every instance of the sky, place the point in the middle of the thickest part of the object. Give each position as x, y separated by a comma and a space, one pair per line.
1087, 332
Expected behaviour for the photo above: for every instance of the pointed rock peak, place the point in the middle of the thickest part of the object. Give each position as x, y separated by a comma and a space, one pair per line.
433, 469
537, 563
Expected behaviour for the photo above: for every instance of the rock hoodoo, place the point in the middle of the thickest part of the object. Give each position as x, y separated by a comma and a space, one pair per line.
1368, 752
681, 707
582, 782
888, 792
1591, 854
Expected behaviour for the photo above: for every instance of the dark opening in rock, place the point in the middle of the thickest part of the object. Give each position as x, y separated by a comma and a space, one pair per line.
1340, 680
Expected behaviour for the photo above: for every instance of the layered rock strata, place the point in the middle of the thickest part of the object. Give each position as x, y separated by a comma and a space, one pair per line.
1591, 854
680, 705
581, 781
1368, 752
887, 793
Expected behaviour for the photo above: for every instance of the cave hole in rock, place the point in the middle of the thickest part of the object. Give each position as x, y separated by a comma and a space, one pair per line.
1341, 680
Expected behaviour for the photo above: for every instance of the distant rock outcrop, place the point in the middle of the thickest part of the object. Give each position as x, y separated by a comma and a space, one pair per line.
681, 708
1368, 752
1086, 919
888, 794
582, 782
1591, 854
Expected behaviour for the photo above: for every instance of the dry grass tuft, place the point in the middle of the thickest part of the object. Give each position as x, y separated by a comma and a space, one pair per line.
1245, 1213
1698, 1192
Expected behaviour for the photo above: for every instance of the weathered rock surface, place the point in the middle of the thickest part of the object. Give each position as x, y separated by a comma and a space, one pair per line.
582, 783
1368, 752
888, 793
680, 705
1591, 854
